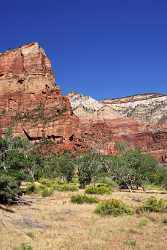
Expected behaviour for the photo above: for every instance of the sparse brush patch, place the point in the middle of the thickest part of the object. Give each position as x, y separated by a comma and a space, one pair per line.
34, 187
108, 181
47, 192
113, 207
130, 243
82, 198
164, 221
66, 187
143, 222
153, 186
9, 189
98, 189
153, 204
24, 246
47, 182
46, 187
30, 235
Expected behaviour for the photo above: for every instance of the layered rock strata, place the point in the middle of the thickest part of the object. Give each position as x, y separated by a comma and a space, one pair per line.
138, 120
30, 102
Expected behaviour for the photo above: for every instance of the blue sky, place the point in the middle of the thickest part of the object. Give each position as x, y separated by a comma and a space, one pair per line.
102, 48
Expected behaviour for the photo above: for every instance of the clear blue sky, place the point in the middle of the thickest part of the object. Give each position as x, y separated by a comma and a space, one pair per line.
102, 48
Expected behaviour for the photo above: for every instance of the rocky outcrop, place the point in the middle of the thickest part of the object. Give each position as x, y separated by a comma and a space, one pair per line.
147, 108
145, 127
87, 108
32, 105
30, 102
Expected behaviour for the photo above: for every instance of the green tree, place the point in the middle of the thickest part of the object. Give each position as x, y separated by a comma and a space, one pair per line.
90, 166
132, 168
62, 166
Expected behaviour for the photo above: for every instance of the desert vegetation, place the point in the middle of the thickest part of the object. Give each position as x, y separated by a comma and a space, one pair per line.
20, 162
120, 188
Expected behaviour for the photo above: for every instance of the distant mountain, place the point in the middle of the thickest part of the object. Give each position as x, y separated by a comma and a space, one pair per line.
148, 108
85, 107
32, 105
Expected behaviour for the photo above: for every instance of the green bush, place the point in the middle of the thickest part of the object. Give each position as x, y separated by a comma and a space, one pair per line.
98, 189
9, 189
160, 177
113, 207
80, 199
130, 243
152, 186
107, 180
24, 247
46, 187
47, 192
34, 187
66, 187
153, 204
47, 182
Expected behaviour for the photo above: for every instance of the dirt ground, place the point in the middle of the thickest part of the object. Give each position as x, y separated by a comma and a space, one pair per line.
54, 223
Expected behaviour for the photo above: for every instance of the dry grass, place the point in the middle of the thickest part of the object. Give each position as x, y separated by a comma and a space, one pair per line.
54, 223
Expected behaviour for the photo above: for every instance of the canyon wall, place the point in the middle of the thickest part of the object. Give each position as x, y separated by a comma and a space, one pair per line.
30, 102
139, 120
32, 105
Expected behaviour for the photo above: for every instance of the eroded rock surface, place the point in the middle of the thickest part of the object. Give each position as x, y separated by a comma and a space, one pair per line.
139, 120
30, 102
32, 105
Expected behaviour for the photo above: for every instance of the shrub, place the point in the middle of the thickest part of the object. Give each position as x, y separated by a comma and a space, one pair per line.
47, 192
107, 180
24, 247
9, 189
80, 199
152, 186
98, 189
130, 243
164, 221
65, 187
160, 177
34, 187
48, 182
113, 207
143, 222
153, 204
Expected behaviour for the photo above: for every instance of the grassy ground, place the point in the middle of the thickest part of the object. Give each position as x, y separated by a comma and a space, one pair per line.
54, 223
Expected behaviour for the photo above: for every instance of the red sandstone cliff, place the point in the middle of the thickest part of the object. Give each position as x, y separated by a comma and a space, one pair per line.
32, 105
138, 120
30, 101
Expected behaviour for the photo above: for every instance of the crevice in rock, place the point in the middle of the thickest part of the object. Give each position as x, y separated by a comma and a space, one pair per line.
21, 81
37, 138
71, 138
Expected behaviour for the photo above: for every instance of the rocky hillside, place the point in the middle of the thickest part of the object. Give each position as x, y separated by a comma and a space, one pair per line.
32, 105
30, 102
87, 108
148, 108
139, 120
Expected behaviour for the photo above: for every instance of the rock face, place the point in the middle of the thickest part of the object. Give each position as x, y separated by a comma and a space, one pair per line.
139, 120
87, 108
32, 105
30, 102
147, 108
